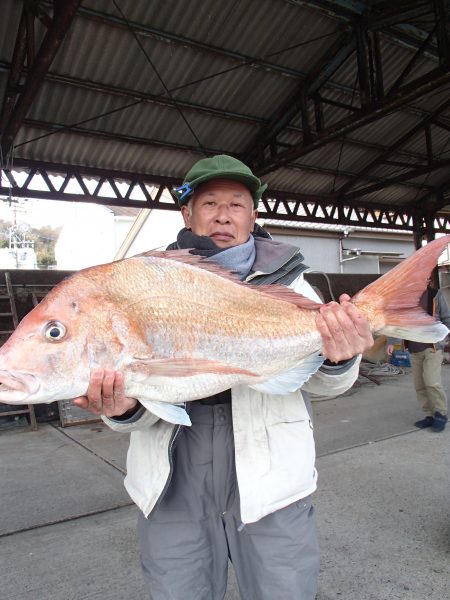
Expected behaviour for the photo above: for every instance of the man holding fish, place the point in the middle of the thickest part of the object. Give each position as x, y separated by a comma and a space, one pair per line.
237, 483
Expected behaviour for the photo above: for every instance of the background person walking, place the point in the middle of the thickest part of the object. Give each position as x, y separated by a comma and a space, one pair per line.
426, 362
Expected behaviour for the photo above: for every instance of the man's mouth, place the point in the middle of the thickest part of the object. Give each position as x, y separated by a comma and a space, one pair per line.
222, 236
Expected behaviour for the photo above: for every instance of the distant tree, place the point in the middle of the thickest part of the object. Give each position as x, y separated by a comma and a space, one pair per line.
44, 239
44, 244
4, 238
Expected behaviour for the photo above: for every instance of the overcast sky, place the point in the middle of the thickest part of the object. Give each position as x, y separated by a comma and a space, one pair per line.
36, 213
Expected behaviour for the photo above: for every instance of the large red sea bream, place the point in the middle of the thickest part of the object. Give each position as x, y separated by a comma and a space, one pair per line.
180, 328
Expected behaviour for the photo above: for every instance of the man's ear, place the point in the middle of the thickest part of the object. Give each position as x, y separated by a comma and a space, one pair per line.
186, 214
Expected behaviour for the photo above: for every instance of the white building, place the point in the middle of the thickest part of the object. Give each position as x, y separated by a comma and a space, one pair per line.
94, 234
344, 249
18, 257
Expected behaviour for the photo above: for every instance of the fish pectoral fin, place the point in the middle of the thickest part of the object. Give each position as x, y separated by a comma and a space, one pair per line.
172, 413
292, 380
184, 367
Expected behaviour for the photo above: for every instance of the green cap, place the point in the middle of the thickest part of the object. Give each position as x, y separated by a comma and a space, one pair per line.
221, 166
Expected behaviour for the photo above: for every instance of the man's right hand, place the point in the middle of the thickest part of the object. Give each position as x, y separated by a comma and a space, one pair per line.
106, 395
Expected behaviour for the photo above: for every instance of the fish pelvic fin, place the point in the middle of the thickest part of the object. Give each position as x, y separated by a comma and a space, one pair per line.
172, 413
292, 380
392, 301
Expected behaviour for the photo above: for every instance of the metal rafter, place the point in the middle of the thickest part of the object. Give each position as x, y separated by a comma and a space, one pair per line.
215, 112
415, 89
422, 126
111, 90
348, 11
50, 181
300, 207
435, 200
373, 102
413, 41
333, 58
119, 188
51, 128
147, 30
19, 98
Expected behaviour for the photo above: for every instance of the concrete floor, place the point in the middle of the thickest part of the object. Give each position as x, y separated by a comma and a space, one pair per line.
67, 527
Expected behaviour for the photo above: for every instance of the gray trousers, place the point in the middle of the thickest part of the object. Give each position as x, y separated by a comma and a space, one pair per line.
196, 528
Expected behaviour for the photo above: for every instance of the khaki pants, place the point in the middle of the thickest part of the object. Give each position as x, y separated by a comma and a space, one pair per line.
426, 367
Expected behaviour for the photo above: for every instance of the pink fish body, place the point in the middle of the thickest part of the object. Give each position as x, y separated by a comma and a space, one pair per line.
182, 329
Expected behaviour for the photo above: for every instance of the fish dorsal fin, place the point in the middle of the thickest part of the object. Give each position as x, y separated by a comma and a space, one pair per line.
286, 294
279, 292
195, 260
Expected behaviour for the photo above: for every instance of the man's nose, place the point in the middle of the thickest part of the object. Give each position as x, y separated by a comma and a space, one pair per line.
222, 214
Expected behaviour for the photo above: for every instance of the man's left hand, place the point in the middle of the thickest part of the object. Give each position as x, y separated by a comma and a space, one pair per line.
106, 395
344, 329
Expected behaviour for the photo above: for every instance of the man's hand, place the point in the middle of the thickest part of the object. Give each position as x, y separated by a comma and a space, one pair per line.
106, 394
389, 349
344, 329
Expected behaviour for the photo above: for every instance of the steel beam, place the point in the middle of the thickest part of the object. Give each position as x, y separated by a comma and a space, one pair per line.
435, 200
297, 102
140, 28
111, 90
412, 174
276, 205
343, 191
363, 67
145, 185
415, 89
374, 104
19, 54
378, 18
53, 128
64, 13
442, 11
379, 80
410, 66
347, 10
261, 63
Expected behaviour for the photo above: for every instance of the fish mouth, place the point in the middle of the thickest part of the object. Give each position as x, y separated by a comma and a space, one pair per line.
16, 388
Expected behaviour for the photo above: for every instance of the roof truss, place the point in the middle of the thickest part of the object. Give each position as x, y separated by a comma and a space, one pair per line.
321, 110
31, 179
370, 101
21, 90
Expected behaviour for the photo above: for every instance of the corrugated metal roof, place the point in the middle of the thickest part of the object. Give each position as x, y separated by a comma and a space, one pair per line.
233, 67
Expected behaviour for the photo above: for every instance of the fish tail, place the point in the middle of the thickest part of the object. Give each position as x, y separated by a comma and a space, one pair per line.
396, 297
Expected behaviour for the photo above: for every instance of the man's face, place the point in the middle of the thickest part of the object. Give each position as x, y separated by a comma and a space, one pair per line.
221, 209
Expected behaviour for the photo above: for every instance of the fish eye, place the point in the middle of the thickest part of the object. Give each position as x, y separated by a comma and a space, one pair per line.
55, 331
